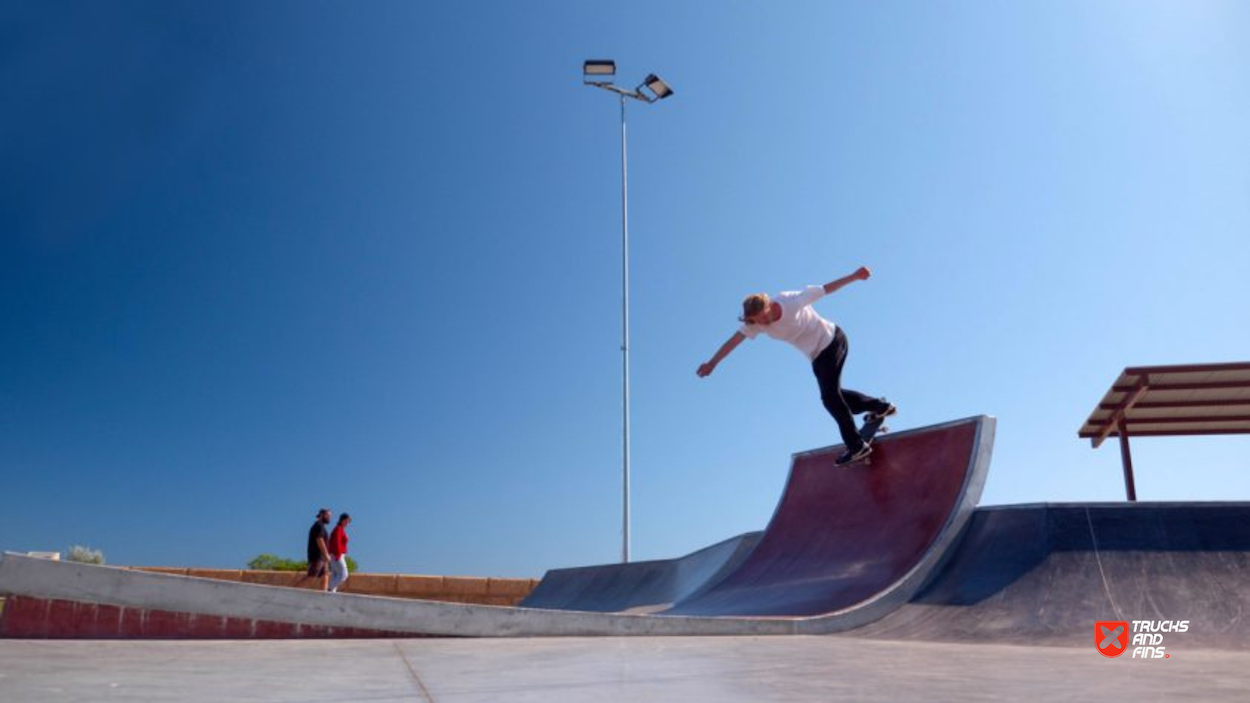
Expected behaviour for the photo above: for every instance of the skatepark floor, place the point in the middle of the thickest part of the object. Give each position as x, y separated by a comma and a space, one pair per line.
601, 670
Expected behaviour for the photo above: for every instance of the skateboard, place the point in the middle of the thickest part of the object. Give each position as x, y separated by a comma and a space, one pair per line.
867, 433
872, 428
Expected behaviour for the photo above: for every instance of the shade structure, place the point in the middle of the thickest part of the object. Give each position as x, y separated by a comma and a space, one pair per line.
1174, 400
1162, 401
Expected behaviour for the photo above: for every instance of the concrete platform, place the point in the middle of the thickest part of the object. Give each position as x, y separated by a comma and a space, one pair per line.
602, 670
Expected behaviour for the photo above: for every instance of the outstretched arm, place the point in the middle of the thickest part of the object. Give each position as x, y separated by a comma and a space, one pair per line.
861, 274
707, 368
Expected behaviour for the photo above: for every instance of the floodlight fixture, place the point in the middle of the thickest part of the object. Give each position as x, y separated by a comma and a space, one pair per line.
598, 68
659, 89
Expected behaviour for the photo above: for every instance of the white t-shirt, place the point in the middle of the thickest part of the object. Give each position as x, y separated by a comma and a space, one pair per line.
799, 324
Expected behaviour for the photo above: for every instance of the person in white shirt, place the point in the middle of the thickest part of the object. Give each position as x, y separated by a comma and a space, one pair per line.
790, 318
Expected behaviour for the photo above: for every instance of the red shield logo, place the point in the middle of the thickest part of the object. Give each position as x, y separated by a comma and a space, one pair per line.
1111, 637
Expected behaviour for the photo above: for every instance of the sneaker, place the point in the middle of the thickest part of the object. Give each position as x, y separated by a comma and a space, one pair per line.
849, 456
874, 417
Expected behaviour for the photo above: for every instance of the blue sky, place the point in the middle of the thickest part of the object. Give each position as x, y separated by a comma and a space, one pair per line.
257, 258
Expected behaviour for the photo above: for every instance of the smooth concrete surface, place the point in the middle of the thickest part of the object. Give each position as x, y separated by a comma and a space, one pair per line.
641, 586
1043, 573
603, 670
126, 588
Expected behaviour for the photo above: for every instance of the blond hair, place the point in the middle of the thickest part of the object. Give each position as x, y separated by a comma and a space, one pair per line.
752, 305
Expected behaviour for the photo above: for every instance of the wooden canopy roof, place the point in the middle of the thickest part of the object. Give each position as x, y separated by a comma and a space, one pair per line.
1153, 401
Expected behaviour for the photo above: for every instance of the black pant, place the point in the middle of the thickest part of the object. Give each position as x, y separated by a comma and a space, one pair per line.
842, 403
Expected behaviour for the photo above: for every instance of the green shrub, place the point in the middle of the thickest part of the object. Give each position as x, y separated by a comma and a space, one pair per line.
270, 562
85, 555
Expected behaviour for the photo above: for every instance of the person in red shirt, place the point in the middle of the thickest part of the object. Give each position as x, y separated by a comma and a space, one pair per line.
337, 546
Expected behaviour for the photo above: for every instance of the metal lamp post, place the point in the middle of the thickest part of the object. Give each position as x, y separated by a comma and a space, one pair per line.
599, 74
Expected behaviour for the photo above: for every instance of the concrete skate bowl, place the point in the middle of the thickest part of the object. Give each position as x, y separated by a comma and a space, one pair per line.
845, 546
641, 586
1044, 574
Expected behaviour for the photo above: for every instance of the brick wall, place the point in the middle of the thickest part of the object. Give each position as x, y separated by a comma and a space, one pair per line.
450, 589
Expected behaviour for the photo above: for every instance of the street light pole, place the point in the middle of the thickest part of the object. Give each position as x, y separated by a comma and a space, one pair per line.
624, 338
597, 73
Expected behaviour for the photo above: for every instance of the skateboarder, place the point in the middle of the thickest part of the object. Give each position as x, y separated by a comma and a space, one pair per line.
790, 318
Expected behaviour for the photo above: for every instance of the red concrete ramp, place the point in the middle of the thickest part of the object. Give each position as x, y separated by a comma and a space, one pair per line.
867, 534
